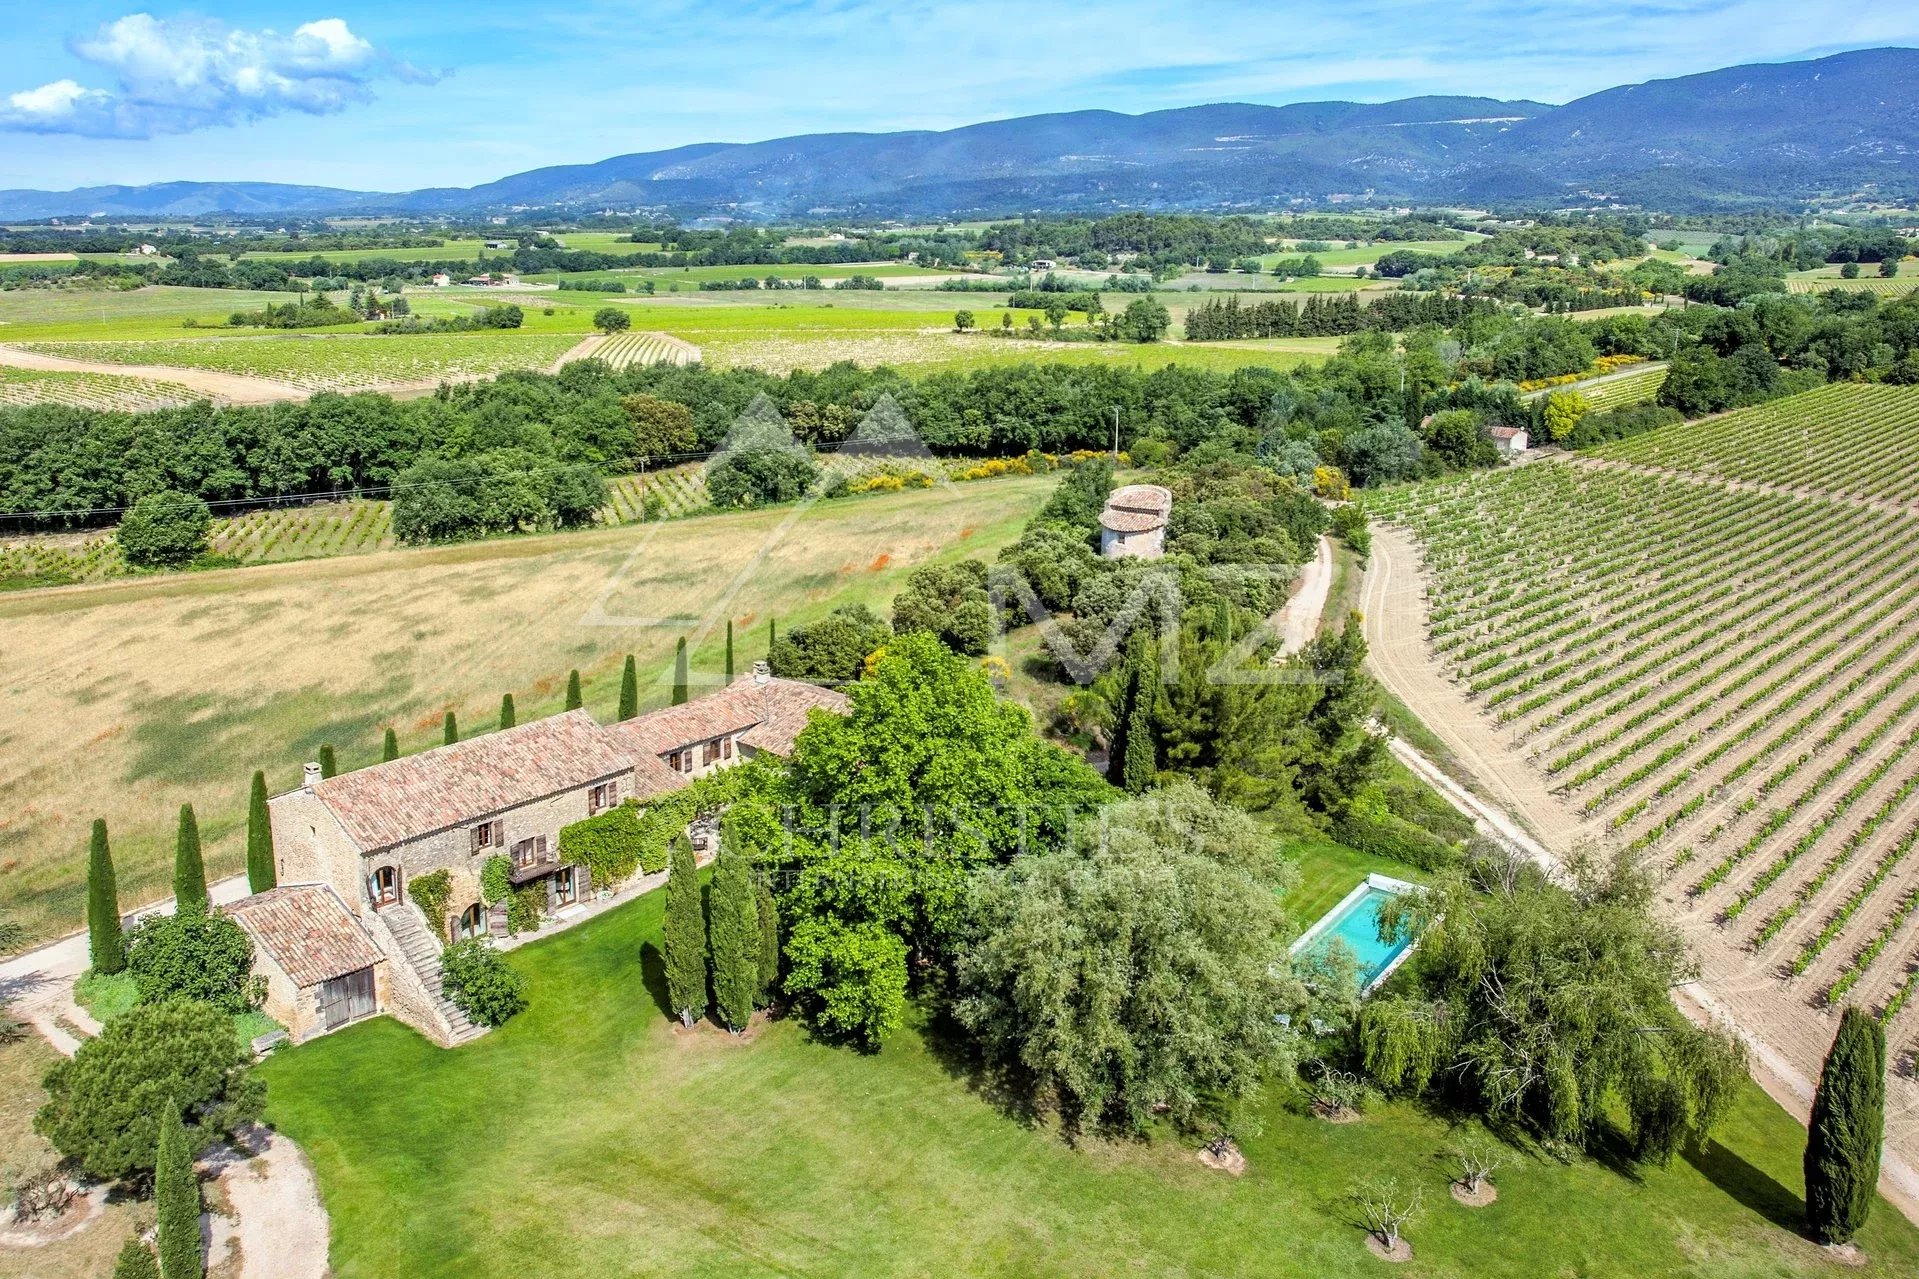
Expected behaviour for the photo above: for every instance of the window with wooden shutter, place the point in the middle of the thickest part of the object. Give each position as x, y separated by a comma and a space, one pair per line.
726, 748
499, 834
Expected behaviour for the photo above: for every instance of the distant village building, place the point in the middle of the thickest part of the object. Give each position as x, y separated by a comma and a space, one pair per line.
441, 280
1134, 522
344, 939
1044, 264
1511, 441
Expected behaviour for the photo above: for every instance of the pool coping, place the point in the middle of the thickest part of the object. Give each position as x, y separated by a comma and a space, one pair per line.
1375, 881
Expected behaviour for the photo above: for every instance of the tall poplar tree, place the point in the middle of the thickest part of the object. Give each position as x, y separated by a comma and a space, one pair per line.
1847, 1128
189, 872
685, 935
105, 943
630, 688
261, 872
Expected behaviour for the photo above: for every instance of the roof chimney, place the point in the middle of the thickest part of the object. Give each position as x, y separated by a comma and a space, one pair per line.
762, 672
312, 778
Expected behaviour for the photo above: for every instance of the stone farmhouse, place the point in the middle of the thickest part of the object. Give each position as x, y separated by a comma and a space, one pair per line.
1134, 522
342, 938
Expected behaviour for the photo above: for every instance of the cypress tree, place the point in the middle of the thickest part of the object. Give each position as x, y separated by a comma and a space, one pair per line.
329, 762
391, 750
189, 873
679, 672
1142, 752
176, 1199
261, 874
506, 710
136, 1261
1122, 721
449, 729
769, 912
1846, 1130
734, 928
105, 944
770, 635
573, 699
629, 688
685, 935
729, 650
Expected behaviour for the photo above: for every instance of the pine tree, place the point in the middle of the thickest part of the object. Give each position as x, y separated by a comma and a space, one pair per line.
449, 729
105, 943
261, 874
176, 1200
391, 750
630, 688
1847, 1128
573, 699
769, 921
734, 928
136, 1261
679, 671
685, 936
729, 650
506, 710
329, 762
189, 873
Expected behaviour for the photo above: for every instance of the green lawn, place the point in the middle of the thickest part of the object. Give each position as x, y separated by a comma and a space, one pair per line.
589, 1138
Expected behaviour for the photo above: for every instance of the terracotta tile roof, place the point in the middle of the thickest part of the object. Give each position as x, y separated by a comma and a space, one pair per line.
1505, 432
416, 795
308, 931
768, 716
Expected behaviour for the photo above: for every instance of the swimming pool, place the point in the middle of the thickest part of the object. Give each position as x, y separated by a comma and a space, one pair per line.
1354, 923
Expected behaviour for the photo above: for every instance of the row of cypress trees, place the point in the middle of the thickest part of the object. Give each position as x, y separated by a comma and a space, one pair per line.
722, 947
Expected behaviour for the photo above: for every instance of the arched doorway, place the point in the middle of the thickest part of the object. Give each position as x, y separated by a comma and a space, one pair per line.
383, 885
472, 923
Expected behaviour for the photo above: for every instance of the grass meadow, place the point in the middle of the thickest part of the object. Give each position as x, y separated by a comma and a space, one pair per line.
589, 1136
124, 700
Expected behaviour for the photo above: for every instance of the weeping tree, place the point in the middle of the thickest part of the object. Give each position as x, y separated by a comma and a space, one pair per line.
685, 935
1547, 1005
1847, 1129
189, 872
106, 944
630, 688
261, 873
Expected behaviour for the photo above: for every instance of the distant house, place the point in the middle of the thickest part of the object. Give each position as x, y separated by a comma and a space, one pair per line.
441, 280
1511, 441
496, 244
148, 251
361, 837
1044, 264
1134, 522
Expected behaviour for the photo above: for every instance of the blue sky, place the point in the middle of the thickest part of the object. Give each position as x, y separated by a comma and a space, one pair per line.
396, 95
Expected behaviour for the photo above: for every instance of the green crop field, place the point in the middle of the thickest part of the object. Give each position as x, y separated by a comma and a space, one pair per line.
88, 390
690, 277
463, 250
158, 311
1869, 281
336, 363
1844, 439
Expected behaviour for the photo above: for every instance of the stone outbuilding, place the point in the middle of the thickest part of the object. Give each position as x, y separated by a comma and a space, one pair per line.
1511, 441
322, 968
1134, 522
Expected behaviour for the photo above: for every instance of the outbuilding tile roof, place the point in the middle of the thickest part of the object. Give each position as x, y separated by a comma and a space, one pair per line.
308, 931
451, 785
767, 714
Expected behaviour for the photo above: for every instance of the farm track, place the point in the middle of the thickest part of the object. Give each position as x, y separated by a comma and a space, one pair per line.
228, 388
1708, 660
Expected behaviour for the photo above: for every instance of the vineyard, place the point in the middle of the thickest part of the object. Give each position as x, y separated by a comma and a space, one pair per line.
335, 362
1638, 387
630, 348
1846, 439
88, 390
1725, 680
1897, 287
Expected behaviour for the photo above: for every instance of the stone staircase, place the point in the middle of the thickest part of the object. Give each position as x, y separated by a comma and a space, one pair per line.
422, 951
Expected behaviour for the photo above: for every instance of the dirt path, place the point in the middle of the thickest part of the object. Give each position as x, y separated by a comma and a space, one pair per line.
1297, 621
229, 388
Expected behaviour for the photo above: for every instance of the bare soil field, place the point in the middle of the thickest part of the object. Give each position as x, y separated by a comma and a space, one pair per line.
1722, 678
124, 700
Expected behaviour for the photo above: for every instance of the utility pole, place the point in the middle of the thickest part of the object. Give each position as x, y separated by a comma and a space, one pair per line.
1116, 432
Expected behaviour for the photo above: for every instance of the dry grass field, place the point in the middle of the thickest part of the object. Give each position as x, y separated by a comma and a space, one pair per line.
124, 700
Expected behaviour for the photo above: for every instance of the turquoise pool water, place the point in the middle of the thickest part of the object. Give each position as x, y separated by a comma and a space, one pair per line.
1356, 925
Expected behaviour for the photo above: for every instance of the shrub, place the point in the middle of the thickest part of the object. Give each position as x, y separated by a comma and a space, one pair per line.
611, 319
525, 908
1366, 824
833, 649
610, 845
164, 529
193, 956
136, 1261
103, 1105
481, 983
431, 893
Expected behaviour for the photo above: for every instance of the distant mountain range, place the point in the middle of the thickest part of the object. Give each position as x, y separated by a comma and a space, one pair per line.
1764, 135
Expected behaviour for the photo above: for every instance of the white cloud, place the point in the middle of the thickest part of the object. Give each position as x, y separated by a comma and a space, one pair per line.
178, 76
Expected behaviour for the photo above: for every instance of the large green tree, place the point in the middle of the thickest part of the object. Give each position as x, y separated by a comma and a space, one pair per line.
164, 530
106, 944
1847, 1130
189, 872
685, 935
833, 649
103, 1105
734, 929
262, 872
1142, 965
176, 1200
